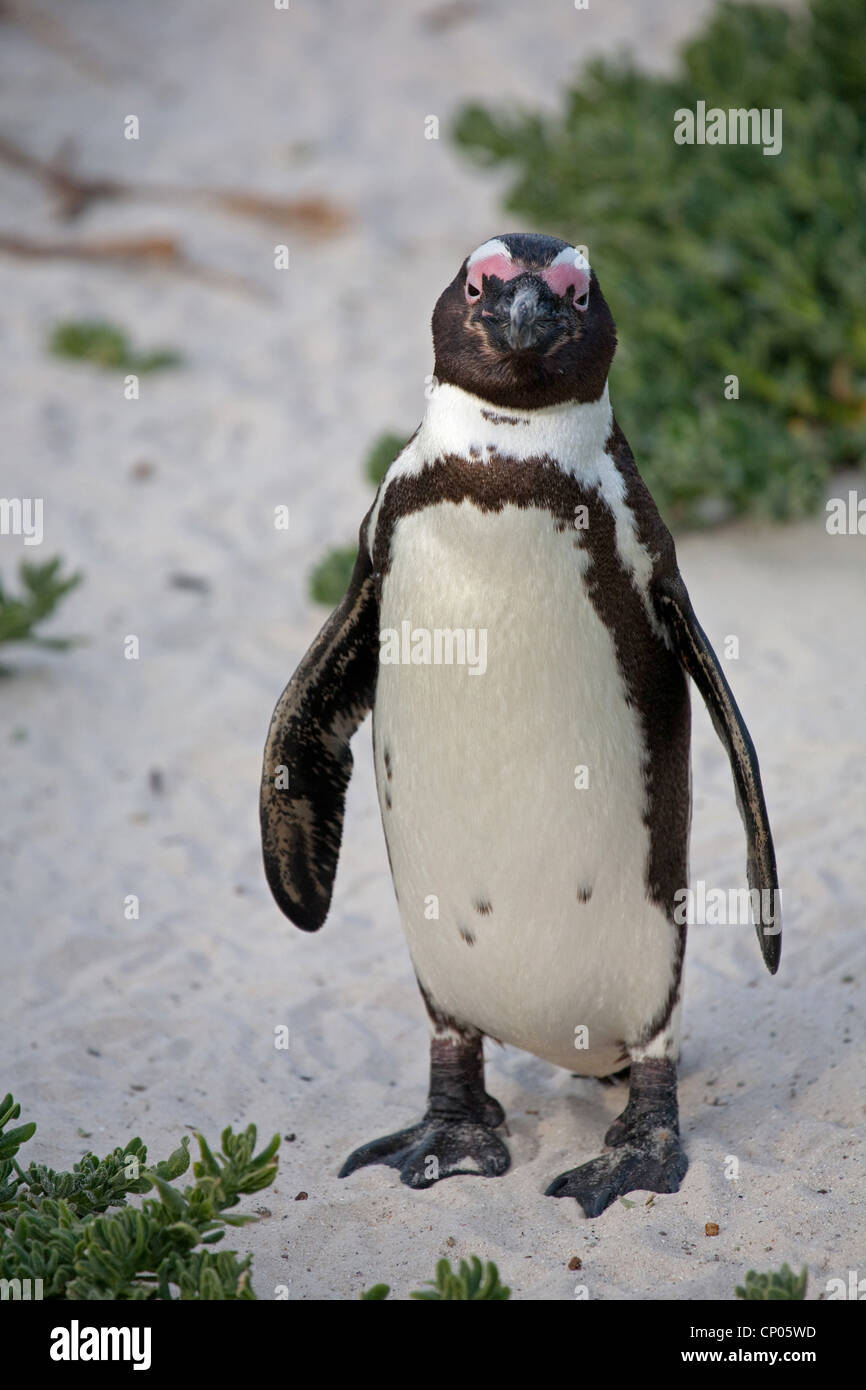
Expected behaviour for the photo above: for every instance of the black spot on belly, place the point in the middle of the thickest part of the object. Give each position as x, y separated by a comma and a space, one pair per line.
584, 893
388, 770
483, 906
466, 934
388, 800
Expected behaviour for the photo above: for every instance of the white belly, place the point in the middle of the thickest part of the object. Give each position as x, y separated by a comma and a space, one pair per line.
491, 841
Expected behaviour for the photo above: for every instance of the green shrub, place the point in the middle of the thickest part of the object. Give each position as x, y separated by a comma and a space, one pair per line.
42, 589
472, 1283
330, 577
53, 1225
718, 260
106, 345
778, 1285
381, 455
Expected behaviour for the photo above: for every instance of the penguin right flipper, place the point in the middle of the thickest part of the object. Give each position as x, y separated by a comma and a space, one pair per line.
308, 747
700, 661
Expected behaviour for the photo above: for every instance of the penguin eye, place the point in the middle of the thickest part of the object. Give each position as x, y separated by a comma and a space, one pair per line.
473, 291
583, 302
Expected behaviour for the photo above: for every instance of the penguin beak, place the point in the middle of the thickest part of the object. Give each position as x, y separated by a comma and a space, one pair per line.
522, 329
522, 314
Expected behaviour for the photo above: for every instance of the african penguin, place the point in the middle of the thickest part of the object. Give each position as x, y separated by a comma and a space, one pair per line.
517, 623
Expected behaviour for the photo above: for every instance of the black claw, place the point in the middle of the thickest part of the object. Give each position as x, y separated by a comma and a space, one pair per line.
435, 1149
384, 1150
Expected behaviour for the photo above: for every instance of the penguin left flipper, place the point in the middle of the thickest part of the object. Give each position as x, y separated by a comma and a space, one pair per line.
697, 657
307, 762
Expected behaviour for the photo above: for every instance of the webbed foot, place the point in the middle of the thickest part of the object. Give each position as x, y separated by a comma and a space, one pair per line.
456, 1134
644, 1143
434, 1149
657, 1164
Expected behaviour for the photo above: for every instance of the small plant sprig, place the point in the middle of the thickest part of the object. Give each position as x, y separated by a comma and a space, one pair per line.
469, 1285
330, 577
53, 1226
106, 345
776, 1286
472, 1283
11, 1142
42, 589
381, 455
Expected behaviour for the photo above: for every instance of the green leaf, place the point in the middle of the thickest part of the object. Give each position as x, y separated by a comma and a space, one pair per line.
56, 1226
330, 578
43, 589
775, 1286
106, 345
381, 455
208, 1163
472, 1284
11, 1142
176, 1163
264, 1157
171, 1198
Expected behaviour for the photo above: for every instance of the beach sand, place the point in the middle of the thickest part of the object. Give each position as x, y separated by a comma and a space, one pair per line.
141, 776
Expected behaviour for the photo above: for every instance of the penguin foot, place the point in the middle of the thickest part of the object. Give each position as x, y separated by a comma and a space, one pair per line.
651, 1162
456, 1133
644, 1149
438, 1148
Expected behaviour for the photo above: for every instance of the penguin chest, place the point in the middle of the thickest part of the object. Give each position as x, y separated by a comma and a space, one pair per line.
511, 770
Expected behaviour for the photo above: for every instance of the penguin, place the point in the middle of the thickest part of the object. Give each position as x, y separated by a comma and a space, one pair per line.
517, 624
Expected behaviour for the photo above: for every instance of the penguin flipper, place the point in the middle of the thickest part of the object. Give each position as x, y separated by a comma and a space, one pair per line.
329, 695
701, 663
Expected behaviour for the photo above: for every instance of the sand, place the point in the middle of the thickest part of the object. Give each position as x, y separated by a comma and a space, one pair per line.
166, 1023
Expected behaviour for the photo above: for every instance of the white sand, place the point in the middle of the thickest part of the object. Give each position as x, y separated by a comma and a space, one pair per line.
277, 405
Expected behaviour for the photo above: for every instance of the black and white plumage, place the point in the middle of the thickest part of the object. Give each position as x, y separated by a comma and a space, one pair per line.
517, 510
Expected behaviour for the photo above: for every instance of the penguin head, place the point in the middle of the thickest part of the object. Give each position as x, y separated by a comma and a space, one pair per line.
524, 323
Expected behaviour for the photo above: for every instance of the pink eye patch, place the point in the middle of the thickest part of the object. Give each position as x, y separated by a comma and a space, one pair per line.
563, 277
497, 265
560, 277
